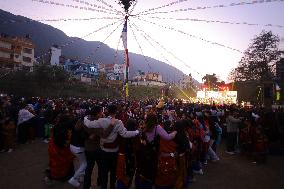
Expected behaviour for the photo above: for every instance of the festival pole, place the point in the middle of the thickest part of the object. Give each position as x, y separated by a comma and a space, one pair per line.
126, 77
126, 5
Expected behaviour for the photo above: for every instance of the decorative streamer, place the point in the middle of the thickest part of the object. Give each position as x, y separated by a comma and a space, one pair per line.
101, 43
116, 52
146, 60
169, 52
190, 35
217, 21
77, 39
57, 20
75, 7
212, 7
143, 34
133, 7
98, 6
94, 5
163, 6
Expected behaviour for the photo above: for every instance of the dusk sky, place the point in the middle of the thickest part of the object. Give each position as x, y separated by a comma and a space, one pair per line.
199, 56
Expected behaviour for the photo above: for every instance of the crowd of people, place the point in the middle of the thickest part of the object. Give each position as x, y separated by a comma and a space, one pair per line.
150, 143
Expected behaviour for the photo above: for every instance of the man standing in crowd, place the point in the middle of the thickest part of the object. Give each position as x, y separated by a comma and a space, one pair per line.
109, 145
232, 131
92, 144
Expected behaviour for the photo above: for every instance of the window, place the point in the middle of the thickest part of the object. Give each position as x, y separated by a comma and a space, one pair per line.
5, 45
28, 51
11, 56
27, 59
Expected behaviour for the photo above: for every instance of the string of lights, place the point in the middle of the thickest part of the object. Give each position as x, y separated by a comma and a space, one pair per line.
86, 3
75, 7
217, 21
213, 7
135, 37
163, 6
169, 52
77, 39
57, 20
101, 43
191, 35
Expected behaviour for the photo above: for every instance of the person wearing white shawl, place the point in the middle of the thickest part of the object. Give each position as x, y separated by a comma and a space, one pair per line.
24, 122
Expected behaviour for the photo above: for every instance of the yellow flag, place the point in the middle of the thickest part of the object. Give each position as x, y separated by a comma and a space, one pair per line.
278, 95
126, 90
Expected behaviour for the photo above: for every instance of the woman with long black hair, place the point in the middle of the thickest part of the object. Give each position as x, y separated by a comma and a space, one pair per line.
147, 153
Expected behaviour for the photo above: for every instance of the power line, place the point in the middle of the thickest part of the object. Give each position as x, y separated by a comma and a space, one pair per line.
191, 35
97, 48
146, 60
214, 6
57, 20
75, 7
163, 6
77, 39
216, 21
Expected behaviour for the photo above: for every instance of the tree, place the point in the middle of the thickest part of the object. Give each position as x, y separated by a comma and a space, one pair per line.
210, 80
259, 59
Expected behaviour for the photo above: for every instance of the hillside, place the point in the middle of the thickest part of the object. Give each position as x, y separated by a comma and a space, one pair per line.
45, 36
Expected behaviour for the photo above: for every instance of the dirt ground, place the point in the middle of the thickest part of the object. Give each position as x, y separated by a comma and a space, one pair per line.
24, 169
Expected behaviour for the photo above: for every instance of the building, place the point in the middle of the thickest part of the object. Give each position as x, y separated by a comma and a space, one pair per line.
148, 79
141, 76
109, 68
119, 68
186, 81
55, 54
77, 68
101, 67
16, 52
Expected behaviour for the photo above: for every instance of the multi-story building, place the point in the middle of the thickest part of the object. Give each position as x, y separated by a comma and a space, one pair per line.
75, 67
16, 52
141, 76
148, 79
55, 54
119, 68
109, 68
186, 81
